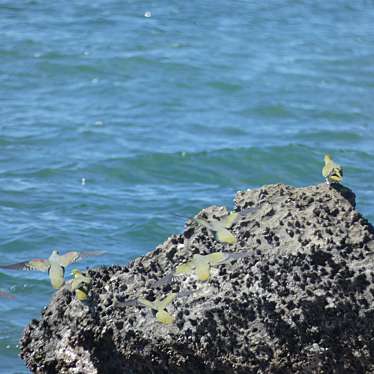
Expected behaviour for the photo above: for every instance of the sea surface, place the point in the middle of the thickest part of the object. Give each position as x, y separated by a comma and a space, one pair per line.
120, 118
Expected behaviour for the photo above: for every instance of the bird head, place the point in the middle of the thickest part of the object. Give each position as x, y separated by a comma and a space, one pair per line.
55, 252
327, 158
75, 272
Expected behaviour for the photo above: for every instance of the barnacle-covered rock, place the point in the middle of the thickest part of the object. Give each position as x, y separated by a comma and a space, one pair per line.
301, 301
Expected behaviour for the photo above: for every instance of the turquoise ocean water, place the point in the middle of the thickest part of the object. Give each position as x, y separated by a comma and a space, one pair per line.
115, 115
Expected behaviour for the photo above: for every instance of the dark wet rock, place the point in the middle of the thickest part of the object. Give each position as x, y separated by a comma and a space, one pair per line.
300, 302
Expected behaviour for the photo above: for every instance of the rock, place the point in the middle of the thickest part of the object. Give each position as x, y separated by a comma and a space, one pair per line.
300, 302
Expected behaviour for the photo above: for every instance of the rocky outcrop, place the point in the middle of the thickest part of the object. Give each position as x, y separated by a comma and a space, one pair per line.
301, 301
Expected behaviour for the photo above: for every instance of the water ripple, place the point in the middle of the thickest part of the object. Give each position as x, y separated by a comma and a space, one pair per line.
112, 122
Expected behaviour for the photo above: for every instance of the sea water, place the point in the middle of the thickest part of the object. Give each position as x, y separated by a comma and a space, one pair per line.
119, 118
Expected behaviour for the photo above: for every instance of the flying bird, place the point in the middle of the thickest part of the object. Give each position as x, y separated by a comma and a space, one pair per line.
55, 265
332, 171
80, 284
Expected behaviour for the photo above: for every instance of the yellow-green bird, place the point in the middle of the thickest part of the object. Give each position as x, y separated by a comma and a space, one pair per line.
220, 227
159, 306
55, 265
332, 171
80, 284
202, 263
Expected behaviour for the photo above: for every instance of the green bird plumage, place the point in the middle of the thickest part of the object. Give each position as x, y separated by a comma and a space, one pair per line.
332, 171
80, 285
202, 263
159, 306
220, 227
55, 265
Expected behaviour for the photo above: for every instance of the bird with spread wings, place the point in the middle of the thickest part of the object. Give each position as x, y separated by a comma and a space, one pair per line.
55, 264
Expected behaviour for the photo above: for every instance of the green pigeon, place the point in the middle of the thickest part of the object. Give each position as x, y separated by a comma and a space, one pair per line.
80, 284
202, 263
220, 227
159, 306
55, 265
332, 171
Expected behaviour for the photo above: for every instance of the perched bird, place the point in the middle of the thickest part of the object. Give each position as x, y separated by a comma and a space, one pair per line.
80, 284
202, 263
220, 227
332, 171
55, 265
159, 306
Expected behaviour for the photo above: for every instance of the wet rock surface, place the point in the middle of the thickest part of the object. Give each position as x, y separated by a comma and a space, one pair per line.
300, 302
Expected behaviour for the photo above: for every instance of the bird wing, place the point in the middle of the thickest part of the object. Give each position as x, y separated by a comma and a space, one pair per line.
85, 254
184, 268
216, 257
219, 228
203, 270
147, 303
335, 178
164, 317
69, 257
225, 236
35, 264
165, 301
230, 219
326, 170
335, 172
74, 256
76, 283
